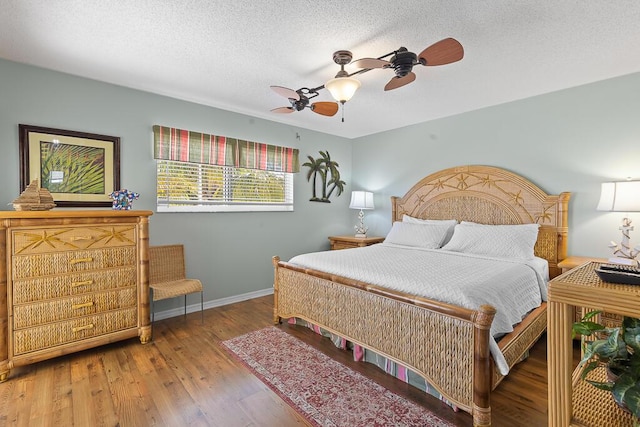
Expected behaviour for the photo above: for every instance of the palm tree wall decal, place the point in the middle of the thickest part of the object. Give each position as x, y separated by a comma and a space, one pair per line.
329, 175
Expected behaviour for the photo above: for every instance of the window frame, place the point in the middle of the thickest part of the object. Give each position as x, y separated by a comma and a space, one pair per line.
227, 205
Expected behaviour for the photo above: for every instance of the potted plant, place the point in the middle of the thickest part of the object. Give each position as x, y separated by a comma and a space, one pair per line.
618, 348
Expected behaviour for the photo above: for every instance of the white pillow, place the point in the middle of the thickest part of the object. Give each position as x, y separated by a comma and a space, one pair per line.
428, 236
502, 241
450, 222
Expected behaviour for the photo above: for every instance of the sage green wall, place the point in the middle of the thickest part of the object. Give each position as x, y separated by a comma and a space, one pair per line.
571, 140
230, 252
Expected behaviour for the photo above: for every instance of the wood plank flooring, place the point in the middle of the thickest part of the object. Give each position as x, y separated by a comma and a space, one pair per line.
184, 377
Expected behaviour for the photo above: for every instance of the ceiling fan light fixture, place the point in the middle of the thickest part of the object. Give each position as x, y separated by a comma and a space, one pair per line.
342, 88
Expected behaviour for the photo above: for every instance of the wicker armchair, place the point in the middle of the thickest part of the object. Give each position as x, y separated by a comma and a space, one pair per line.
167, 277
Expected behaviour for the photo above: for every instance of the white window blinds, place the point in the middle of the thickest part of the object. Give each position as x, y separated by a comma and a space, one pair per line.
192, 187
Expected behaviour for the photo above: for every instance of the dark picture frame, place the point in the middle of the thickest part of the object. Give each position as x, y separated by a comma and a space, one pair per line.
79, 169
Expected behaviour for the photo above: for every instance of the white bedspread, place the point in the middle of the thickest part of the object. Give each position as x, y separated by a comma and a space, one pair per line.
513, 287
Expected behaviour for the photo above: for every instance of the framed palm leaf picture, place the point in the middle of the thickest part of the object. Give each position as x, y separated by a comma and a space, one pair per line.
79, 169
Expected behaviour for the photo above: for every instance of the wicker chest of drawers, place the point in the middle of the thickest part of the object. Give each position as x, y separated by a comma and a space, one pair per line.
71, 280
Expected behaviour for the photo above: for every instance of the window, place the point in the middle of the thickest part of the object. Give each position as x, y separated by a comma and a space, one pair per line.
193, 187
198, 172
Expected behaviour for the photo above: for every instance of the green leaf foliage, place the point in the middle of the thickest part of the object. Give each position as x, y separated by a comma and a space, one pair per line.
586, 328
619, 349
632, 333
626, 392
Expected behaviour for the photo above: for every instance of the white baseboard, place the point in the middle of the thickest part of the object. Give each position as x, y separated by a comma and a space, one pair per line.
211, 304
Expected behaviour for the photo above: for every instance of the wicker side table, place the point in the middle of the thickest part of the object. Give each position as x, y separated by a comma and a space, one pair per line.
572, 262
347, 242
572, 402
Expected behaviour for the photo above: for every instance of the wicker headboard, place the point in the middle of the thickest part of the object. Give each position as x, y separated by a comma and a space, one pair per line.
490, 195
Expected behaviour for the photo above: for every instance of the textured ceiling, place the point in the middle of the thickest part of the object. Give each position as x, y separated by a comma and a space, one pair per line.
226, 54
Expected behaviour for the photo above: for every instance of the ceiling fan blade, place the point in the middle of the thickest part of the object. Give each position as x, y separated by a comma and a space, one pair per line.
286, 92
325, 108
370, 63
443, 52
283, 110
397, 82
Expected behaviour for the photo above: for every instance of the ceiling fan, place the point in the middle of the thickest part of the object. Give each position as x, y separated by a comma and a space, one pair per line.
402, 62
299, 100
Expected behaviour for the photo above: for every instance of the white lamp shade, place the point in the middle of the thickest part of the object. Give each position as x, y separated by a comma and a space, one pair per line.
361, 200
623, 196
342, 88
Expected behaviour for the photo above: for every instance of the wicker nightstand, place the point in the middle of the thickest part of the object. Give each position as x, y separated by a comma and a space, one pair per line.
576, 261
346, 242
571, 401
572, 262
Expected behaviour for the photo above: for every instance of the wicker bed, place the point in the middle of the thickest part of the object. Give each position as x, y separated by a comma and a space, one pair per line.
354, 309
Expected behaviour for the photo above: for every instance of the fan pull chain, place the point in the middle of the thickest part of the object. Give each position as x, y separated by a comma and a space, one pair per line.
342, 112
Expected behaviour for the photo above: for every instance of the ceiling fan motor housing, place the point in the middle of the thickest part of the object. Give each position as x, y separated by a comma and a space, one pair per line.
342, 57
300, 104
403, 62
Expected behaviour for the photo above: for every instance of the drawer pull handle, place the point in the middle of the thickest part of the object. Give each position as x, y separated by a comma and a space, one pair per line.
83, 283
79, 260
74, 238
82, 328
83, 305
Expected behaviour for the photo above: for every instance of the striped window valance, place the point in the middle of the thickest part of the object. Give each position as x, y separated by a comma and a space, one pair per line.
195, 147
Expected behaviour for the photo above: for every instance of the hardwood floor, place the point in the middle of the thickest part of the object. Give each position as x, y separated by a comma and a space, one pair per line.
184, 377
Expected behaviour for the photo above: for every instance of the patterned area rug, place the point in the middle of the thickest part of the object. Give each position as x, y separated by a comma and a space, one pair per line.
324, 391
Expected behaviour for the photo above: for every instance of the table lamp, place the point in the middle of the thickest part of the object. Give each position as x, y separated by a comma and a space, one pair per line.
361, 200
623, 196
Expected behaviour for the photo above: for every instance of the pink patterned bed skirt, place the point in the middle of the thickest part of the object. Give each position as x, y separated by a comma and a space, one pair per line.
362, 354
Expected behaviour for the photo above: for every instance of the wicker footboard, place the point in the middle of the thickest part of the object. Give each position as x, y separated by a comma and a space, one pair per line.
419, 333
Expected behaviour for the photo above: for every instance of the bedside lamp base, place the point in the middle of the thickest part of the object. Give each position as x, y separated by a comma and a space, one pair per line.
361, 230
